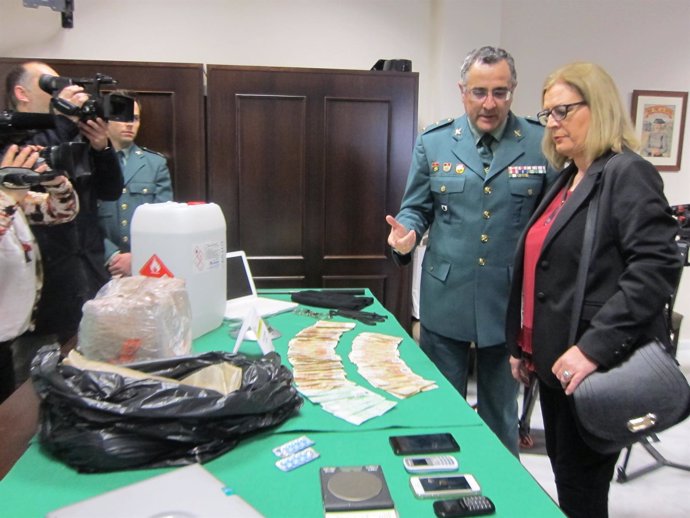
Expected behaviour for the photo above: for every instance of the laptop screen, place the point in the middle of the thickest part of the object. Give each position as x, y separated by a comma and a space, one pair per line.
239, 283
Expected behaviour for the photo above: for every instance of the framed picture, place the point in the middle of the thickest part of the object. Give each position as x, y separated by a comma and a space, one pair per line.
659, 118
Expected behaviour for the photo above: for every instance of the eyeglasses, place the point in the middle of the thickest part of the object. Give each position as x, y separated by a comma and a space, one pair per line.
499, 94
558, 113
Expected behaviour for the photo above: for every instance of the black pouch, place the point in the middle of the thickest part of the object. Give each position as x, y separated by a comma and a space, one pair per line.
102, 421
331, 299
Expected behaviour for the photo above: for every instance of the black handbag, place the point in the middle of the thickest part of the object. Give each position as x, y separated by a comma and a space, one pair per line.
646, 393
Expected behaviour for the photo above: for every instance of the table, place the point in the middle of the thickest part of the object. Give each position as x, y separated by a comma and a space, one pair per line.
37, 484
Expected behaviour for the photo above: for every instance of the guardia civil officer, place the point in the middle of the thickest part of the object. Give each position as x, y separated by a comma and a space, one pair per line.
473, 183
147, 180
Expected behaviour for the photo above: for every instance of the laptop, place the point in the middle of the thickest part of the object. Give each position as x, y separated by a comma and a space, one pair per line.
242, 293
189, 491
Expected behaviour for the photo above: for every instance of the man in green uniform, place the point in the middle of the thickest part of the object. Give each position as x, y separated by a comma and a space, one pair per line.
473, 183
147, 180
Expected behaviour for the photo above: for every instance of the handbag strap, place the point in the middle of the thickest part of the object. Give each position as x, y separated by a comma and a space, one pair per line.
585, 257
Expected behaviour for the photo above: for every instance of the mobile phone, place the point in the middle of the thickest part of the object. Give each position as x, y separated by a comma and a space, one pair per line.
430, 463
476, 505
444, 486
424, 443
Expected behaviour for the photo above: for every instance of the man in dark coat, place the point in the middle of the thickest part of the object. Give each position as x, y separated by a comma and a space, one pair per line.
73, 256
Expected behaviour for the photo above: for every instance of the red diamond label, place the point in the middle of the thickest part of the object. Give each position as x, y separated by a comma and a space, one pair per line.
154, 267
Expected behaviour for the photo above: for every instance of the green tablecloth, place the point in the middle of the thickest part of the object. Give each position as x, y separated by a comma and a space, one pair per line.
433, 405
38, 484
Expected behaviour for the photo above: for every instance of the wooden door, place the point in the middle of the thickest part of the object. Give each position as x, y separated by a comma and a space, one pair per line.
305, 164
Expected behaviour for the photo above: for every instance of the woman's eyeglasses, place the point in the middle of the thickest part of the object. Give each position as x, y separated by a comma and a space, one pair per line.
558, 113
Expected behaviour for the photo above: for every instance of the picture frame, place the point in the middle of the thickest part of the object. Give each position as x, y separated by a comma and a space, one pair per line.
659, 119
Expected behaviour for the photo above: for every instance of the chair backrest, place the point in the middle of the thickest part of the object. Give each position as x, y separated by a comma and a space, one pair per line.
673, 319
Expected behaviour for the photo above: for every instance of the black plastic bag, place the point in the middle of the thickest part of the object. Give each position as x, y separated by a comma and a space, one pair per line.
96, 421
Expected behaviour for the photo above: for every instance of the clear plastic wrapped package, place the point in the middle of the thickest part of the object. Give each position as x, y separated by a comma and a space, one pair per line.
136, 319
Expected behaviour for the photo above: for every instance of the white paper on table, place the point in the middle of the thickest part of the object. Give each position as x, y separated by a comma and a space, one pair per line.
263, 336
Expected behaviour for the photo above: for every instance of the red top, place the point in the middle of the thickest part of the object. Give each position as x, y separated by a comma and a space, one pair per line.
534, 242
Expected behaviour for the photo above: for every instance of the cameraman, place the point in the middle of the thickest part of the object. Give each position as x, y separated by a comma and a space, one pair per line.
73, 253
19, 257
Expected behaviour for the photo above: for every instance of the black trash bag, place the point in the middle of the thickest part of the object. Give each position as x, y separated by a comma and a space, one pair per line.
98, 422
331, 299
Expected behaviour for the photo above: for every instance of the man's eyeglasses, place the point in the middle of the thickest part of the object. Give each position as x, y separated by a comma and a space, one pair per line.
558, 113
499, 94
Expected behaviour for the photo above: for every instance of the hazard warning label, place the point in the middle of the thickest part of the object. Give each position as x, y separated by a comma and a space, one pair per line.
208, 256
154, 267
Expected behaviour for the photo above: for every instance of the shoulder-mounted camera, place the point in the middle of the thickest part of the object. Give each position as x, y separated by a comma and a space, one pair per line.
112, 106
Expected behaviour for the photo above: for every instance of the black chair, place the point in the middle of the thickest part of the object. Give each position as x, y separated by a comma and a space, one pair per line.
529, 399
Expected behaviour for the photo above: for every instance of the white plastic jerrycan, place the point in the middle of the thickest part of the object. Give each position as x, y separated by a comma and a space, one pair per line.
185, 240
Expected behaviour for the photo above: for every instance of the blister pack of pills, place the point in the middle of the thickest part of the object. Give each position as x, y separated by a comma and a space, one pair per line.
297, 459
293, 446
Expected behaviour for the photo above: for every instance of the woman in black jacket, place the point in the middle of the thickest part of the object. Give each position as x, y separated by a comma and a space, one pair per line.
635, 266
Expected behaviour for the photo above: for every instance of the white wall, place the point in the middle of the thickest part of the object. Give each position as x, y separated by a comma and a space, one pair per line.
644, 44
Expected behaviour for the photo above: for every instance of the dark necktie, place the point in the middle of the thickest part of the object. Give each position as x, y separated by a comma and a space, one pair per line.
484, 149
121, 158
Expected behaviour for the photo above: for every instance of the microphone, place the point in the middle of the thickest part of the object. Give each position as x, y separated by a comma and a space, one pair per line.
18, 121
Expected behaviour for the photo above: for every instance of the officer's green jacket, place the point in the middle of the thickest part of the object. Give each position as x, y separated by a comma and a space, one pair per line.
147, 180
474, 220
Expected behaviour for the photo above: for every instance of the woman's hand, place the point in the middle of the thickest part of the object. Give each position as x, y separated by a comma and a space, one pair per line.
571, 368
26, 157
518, 368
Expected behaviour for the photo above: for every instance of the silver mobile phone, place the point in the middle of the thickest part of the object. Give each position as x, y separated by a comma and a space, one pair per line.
444, 486
430, 463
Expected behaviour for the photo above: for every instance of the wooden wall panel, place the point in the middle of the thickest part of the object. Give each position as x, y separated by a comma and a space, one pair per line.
376, 283
157, 130
356, 175
270, 197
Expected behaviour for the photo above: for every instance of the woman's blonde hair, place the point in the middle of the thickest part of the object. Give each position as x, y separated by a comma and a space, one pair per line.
610, 125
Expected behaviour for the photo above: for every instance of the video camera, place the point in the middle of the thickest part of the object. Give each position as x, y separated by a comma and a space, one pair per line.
22, 178
15, 127
70, 158
114, 107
